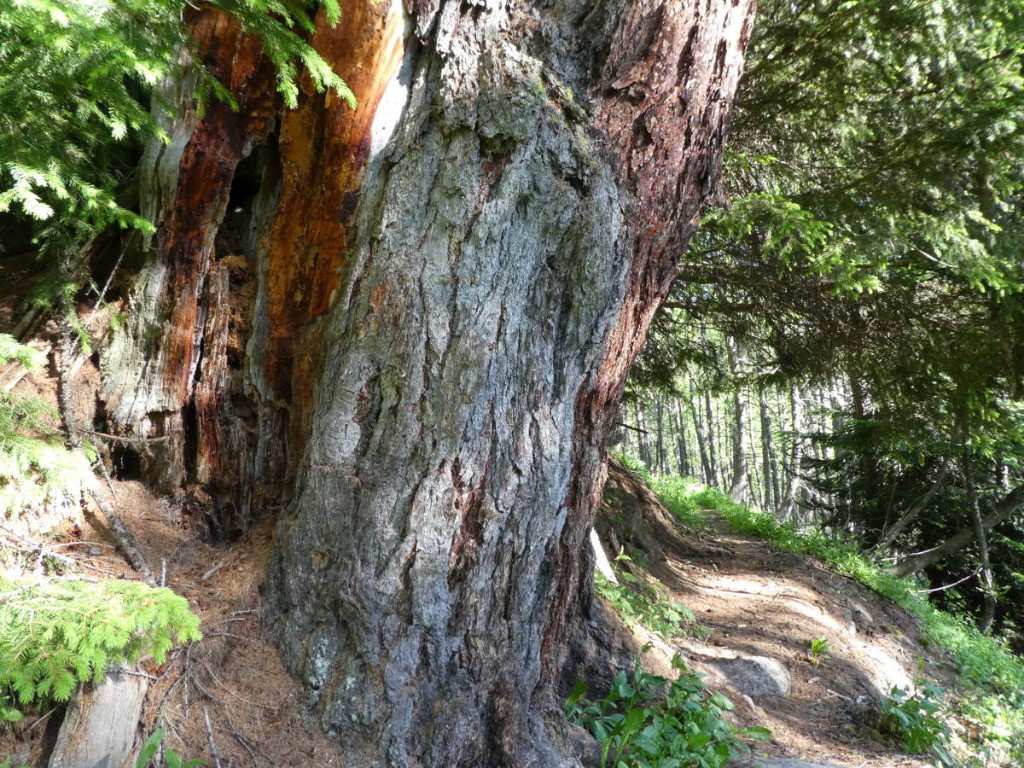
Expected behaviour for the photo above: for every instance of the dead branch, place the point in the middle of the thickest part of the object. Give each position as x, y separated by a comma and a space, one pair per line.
209, 739
125, 539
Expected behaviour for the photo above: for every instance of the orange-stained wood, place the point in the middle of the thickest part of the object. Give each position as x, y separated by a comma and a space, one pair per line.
206, 170
324, 146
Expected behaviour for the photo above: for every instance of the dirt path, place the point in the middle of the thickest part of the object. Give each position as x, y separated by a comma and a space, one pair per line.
760, 610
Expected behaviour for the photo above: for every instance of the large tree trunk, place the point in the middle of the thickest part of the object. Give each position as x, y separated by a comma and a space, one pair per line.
449, 285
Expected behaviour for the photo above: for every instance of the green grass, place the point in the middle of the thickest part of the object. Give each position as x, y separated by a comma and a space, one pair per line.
991, 676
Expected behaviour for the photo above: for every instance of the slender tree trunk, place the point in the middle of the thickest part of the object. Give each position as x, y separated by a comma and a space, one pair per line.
767, 453
709, 415
988, 587
659, 443
643, 437
791, 500
739, 487
702, 448
683, 453
447, 287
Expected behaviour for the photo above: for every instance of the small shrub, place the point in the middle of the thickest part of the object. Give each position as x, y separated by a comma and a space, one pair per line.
915, 720
647, 720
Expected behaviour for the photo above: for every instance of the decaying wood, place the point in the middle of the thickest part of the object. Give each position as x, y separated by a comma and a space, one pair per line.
99, 728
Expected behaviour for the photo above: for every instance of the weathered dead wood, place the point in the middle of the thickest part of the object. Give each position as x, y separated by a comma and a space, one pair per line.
99, 728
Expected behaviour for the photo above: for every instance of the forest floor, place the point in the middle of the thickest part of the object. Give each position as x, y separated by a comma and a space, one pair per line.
230, 693
752, 603
749, 600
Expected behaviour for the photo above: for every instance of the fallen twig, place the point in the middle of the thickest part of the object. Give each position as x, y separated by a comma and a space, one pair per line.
212, 571
125, 539
123, 438
209, 739
29, 544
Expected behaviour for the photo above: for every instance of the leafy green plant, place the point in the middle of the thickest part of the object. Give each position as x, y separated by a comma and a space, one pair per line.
648, 720
8, 712
54, 636
646, 602
914, 718
171, 758
818, 652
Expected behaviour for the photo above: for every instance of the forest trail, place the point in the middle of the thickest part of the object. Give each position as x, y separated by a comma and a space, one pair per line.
758, 612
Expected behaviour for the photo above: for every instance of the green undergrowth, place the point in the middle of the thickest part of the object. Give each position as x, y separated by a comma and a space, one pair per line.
991, 676
646, 602
55, 635
647, 721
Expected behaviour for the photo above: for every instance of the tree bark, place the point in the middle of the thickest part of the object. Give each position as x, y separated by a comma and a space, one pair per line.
449, 286
789, 508
988, 586
712, 434
698, 428
683, 455
771, 477
510, 248
643, 437
661, 462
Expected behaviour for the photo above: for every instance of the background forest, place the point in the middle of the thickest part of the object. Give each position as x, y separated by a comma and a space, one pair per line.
844, 344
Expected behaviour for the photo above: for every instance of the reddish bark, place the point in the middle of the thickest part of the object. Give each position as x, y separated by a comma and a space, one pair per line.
323, 146
653, 91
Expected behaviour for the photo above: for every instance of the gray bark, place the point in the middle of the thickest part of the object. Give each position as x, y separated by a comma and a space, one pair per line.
643, 437
712, 442
770, 474
98, 730
702, 449
682, 453
660, 462
988, 587
789, 508
425, 573
739, 486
